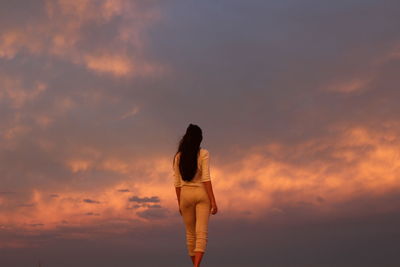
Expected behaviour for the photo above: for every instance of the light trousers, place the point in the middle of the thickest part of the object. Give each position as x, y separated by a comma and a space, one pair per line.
195, 207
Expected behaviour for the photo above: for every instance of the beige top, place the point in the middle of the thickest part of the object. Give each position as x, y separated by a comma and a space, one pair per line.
202, 174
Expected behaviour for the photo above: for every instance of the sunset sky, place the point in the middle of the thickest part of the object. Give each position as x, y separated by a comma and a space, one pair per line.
298, 101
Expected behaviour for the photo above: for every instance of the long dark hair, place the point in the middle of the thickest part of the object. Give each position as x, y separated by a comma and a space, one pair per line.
189, 146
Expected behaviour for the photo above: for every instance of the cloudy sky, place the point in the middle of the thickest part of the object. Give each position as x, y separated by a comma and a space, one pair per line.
299, 105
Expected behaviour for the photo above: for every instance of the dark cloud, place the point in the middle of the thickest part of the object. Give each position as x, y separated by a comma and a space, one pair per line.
36, 224
152, 206
145, 205
92, 214
123, 190
153, 213
320, 199
144, 199
88, 200
134, 206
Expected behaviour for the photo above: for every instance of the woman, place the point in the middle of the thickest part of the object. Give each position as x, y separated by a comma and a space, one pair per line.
194, 191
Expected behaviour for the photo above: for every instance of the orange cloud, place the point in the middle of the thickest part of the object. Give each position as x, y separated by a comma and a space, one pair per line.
11, 89
351, 86
117, 64
60, 34
14, 40
359, 83
265, 179
130, 113
79, 165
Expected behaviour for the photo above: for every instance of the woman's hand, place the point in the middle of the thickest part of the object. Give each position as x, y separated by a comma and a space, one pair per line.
214, 208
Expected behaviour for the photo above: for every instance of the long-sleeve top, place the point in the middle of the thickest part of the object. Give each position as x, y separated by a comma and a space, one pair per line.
202, 173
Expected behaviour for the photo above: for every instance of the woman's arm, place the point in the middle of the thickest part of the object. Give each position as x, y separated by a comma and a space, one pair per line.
178, 196
206, 179
177, 182
210, 193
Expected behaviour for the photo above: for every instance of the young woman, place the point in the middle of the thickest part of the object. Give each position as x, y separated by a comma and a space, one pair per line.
194, 191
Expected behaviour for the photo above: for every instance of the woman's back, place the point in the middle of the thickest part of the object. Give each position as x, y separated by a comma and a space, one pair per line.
202, 173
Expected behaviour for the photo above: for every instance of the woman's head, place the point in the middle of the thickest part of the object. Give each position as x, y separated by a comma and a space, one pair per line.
192, 137
189, 147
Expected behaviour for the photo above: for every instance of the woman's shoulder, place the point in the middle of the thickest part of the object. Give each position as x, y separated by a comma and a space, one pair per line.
204, 151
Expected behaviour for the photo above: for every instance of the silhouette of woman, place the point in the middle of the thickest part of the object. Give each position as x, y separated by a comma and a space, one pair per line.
194, 191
